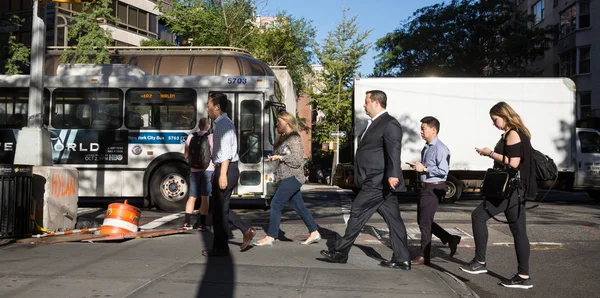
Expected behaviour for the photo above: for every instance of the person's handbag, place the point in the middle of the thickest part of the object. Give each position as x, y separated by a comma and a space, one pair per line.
499, 184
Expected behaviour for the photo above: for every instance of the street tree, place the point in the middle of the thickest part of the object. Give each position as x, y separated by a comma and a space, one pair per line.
463, 38
288, 42
211, 22
90, 40
18, 53
340, 55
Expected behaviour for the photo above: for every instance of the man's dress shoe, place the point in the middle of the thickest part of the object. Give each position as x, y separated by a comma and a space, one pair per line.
248, 237
453, 244
418, 261
396, 265
335, 256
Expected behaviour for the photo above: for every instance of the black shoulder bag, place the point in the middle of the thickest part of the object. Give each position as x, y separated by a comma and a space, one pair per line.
499, 184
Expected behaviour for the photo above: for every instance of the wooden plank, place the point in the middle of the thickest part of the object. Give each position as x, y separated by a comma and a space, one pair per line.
60, 239
142, 234
6, 241
152, 234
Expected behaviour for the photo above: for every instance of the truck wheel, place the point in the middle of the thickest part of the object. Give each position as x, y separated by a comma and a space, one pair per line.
169, 186
454, 189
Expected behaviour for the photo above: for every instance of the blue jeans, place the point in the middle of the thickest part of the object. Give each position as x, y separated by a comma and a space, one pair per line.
289, 190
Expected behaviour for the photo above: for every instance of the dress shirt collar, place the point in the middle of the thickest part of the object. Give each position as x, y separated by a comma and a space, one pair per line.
378, 114
432, 143
224, 115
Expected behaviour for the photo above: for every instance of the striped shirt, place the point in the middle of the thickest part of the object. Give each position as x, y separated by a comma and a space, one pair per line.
225, 140
435, 156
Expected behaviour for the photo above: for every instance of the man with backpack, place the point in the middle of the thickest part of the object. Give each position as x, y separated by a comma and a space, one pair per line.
198, 151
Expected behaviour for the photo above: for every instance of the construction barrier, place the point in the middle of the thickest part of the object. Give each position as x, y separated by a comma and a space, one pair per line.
55, 190
120, 219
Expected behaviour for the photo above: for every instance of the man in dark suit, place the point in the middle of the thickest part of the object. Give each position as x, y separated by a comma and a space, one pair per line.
377, 173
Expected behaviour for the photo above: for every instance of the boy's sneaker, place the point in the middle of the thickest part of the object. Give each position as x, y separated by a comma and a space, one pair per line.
187, 226
518, 282
203, 228
474, 267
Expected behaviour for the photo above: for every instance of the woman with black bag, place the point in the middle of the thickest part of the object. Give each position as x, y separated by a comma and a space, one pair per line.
514, 151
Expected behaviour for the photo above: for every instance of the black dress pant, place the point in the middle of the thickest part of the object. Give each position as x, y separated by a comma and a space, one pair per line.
367, 202
222, 215
429, 198
514, 210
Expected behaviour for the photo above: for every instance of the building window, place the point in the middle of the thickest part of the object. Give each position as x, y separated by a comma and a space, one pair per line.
567, 21
584, 14
585, 104
122, 12
143, 20
153, 24
584, 60
538, 11
132, 17
567, 63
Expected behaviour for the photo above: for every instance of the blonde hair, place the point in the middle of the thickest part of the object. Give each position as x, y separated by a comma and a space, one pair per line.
289, 119
512, 119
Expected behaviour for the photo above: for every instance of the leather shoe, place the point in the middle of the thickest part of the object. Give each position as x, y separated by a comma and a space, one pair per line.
453, 244
418, 261
335, 256
216, 252
248, 237
396, 265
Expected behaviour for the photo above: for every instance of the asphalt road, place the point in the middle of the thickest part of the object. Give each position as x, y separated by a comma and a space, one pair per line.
564, 232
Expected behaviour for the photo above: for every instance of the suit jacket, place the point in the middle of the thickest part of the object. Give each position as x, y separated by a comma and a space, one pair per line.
378, 155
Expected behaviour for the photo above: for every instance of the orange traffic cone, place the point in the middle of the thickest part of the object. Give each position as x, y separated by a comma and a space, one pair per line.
120, 219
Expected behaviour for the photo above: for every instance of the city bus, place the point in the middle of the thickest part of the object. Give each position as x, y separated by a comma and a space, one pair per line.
125, 130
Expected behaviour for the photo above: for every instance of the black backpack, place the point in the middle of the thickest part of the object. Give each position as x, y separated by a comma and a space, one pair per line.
545, 168
199, 151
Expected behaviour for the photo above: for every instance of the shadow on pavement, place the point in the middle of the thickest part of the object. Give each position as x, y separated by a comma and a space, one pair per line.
218, 279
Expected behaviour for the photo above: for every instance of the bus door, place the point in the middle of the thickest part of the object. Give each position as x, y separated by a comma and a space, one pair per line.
587, 173
250, 141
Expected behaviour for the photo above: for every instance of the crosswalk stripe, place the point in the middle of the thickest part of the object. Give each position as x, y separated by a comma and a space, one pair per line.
161, 221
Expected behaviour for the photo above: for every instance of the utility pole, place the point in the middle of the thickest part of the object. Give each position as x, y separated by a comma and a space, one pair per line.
33, 142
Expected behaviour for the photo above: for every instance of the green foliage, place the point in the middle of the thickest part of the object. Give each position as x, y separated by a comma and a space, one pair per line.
155, 43
91, 40
340, 56
18, 53
211, 22
289, 42
463, 38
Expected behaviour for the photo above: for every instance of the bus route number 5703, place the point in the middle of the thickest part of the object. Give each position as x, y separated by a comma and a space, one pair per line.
236, 80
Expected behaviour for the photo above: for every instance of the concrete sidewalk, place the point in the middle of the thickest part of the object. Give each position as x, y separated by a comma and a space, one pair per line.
172, 266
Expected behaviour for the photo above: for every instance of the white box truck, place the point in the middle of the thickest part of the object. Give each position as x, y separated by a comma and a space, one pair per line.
546, 105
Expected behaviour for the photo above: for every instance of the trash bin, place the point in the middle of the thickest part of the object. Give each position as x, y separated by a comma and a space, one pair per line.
16, 201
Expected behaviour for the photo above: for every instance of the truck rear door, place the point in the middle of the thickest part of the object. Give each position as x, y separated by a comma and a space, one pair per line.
587, 173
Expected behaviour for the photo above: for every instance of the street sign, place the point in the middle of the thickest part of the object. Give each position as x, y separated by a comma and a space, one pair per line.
337, 134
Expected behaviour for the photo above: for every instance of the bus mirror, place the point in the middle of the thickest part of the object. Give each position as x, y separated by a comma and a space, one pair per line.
277, 105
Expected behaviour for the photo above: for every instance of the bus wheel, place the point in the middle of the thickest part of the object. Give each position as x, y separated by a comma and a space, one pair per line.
169, 186
454, 189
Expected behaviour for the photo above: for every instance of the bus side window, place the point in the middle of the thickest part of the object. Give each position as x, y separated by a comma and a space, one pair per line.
134, 120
